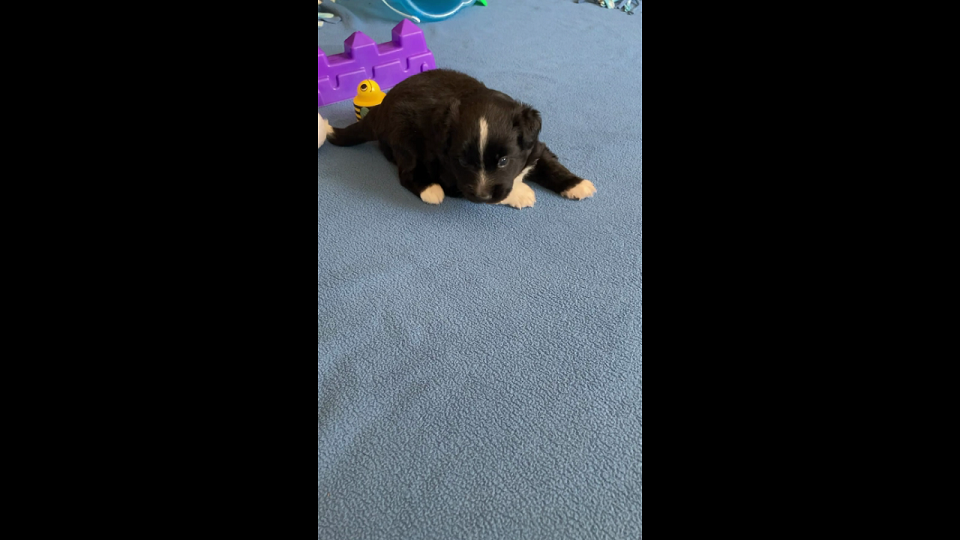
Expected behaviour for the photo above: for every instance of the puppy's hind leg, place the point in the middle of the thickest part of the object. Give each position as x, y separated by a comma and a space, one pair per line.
353, 134
387, 151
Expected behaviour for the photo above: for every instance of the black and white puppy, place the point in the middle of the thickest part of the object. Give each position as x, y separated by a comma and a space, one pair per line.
450, 135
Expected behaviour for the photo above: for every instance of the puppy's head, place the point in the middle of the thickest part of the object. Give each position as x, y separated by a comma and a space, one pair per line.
491, 142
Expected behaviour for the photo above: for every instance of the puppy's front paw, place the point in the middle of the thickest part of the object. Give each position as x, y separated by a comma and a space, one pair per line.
432, 195
521, 197
581, 191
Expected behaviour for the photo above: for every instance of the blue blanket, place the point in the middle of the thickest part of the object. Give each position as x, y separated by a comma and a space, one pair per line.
479, 368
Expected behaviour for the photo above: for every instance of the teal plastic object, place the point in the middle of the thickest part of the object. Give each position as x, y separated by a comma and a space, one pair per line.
430, 10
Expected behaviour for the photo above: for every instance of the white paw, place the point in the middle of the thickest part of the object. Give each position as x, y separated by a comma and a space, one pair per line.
323, 130
432, 195
521, 197
583, 190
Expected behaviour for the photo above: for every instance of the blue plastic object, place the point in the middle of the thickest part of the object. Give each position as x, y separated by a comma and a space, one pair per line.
430, 10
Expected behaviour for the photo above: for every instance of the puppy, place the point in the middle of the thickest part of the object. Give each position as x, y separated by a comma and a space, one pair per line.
451, 136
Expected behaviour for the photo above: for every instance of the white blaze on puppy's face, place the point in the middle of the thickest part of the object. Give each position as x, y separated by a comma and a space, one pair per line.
484, 137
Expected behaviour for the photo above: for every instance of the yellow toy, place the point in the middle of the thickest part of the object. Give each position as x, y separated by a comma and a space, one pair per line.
368, 97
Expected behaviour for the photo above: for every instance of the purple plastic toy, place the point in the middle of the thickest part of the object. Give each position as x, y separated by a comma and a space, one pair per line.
388, 63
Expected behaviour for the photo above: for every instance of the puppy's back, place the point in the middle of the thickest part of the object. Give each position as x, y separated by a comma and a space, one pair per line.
436, 85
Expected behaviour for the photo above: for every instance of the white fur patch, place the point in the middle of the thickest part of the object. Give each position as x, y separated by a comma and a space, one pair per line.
523, 174
432, 195
583, 190
323, 130
484, 138
522, 195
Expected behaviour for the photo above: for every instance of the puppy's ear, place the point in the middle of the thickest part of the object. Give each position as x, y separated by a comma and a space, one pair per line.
528, 125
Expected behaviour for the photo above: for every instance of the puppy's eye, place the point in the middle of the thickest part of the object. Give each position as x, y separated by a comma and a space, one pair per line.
503, 162
463, 163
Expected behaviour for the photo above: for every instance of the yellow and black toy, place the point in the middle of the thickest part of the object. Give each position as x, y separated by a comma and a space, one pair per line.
368, 97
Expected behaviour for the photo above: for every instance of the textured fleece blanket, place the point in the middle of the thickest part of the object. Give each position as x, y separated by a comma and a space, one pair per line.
479, 369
